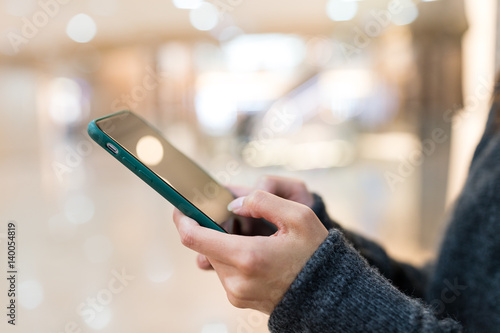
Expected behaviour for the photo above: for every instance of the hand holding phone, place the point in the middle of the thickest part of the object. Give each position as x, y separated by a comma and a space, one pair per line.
144, 151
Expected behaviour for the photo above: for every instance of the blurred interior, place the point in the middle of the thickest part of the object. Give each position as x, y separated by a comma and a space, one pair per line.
377, 105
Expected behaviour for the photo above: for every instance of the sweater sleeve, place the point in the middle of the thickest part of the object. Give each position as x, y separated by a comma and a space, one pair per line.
408, 279
338, 291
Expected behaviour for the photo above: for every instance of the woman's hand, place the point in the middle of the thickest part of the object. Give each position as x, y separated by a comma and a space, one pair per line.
257, 271
287, 188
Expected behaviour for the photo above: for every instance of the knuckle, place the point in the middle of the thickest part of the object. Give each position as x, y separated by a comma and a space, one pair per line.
256, 198
306, 214
250, 263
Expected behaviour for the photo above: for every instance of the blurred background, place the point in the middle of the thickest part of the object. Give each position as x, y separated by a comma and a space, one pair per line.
377, 105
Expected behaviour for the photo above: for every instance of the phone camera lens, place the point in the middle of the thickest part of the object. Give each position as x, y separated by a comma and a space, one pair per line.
112, 148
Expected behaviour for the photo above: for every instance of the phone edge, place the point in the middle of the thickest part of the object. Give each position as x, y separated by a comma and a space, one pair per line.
150, 178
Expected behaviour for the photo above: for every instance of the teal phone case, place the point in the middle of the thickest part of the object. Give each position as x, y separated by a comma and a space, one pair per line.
148, 176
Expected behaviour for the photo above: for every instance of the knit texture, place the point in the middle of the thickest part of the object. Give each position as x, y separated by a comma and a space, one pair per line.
351, 285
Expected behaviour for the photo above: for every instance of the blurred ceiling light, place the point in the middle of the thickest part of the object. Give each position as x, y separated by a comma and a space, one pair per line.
81, 28
205, 17
215, 328
30, 294
98, 248
19, 7
250, 91
408, 14
216, 109
341, 10
347, 83
187, 4
264, 52
150, 150
104, 7
65, 105
343, 90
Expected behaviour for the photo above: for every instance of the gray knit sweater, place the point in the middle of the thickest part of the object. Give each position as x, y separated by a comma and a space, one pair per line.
351, 285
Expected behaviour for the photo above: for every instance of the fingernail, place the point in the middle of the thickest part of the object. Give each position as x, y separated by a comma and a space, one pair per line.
235, 204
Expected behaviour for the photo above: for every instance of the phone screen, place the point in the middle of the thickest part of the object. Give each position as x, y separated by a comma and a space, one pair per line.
181, 173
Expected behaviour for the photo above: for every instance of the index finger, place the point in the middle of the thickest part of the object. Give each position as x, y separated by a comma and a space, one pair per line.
283, 213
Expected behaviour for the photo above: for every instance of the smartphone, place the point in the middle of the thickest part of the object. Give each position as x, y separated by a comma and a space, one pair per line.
145, 152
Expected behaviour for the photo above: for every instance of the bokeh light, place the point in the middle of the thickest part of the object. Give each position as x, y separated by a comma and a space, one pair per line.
150, 150
81, 28
205, 17
264, 52
216, 109
341, 10
65, 101
408, 14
